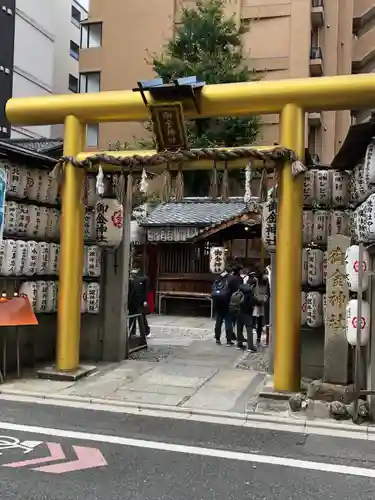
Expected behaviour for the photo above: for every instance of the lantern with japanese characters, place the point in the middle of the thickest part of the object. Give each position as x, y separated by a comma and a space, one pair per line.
29, 289
94, 261
305, 265
108, 222
42, 259
314, 266
9, 259
352, 268
352, 322
93, 298
307, 226
84, 299
338, 223
309, 187
365, 215
340, 188
323, 193
51, 297
320, 227
11, 218
217, 260
303, 308
269, 213
41, 296
314, 317
21, 257
324, 306
325, 266
35, 179
370, 162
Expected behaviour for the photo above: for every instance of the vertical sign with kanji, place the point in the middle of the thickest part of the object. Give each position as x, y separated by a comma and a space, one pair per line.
3, 188
337, 290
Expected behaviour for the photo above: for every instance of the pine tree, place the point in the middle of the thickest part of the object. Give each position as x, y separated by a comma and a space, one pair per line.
207, 44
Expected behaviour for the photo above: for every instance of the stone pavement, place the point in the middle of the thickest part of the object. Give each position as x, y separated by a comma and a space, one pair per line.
183, 368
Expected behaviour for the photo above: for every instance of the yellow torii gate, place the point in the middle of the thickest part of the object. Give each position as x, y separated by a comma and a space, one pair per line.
290, 98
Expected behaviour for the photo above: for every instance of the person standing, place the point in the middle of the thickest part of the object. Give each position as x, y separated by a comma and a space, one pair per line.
138, 305
261, 294
221, 294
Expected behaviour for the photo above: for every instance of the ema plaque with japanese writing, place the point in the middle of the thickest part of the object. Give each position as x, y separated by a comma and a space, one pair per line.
337, 290
169, 126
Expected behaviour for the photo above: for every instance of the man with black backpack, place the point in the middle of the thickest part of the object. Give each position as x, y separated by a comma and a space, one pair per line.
221, 294
242, 304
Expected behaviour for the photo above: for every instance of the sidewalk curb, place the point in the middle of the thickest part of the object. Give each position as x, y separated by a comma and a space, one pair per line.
286, 423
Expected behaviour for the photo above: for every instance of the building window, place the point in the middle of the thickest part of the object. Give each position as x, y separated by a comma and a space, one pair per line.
92, 135
91, 35
89, 82
73, 83
76, 16
74, 50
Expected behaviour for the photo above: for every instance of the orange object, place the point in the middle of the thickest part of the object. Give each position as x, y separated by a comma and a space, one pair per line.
16, 311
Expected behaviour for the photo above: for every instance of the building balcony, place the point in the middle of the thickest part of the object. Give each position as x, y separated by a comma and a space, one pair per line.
314, 119
317, 13
316, 61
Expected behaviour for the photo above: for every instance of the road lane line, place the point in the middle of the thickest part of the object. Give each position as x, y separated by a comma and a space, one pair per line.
193, 450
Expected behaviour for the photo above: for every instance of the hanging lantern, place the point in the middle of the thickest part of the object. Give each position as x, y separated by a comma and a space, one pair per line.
94, 261
29, 289
41, 296
217, 260
338, 223
314, 267
320, 227
325, 266
23, 219
309, 187
340, 188
51, 297
370, 162
31, 258
324, 305
42, 260
314, 310
8, 267
93, 298
269, 213
137, 233
11, 215
21, 257
323, 189
108, 222
352, 268
365, 215
307, 226
303, 308
304, 266
352, 319
84, 299
89, 226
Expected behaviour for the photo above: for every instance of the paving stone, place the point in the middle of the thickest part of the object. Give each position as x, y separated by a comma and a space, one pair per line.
147, 397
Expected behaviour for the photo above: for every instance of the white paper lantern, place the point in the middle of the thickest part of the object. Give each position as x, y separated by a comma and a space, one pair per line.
314, 310
85, 270
51, 297
31, 258
42, 226
34, 184
309, 184
2, 254
304, 266
137, 233
217, 260
53, 259
352, 268
365, 217
10, 218
35, 220
29, 289
89, 226
23, 220
338, 223
46, 181
340, 188
269, 213
53, 224
323, 193
108, 222
21, 258
325, 266
94, 261
17, 181
315, 267
353, 226
53, 191
8, 267
93, 298
303, 308
307, 227
41, 296
84, 299
320, 227
352, 319
42, 261
353, 187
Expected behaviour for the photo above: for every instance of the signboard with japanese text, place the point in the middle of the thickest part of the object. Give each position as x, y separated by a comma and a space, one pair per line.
337, 297
3, 188
169, 126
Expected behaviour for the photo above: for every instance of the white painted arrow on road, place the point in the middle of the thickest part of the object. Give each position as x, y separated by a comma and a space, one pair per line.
87, 458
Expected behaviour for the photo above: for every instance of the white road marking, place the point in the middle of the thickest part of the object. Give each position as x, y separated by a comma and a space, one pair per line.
193, 450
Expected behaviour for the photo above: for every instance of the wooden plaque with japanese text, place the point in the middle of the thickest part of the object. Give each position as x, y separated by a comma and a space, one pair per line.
169, 126
337, 296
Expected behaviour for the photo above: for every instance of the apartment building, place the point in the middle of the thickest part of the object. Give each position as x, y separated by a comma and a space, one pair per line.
286, 39
39, 53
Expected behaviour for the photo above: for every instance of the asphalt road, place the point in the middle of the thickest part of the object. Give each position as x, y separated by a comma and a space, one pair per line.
145, 458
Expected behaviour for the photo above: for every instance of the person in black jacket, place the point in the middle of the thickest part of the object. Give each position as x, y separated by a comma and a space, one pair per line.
245, 314
137, 302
